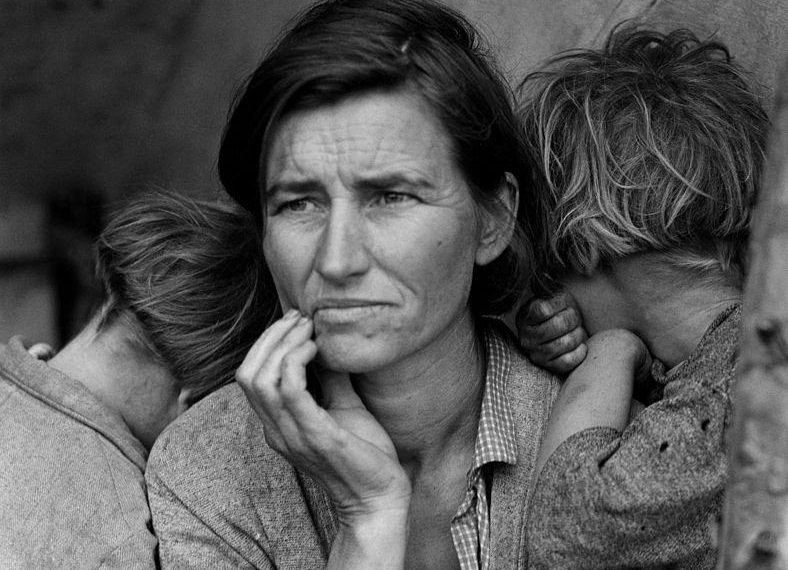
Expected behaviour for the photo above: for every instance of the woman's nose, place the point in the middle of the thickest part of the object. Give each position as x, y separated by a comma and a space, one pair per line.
342, 253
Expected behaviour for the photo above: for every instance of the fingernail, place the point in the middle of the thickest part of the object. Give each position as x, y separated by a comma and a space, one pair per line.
302, 321
291, 314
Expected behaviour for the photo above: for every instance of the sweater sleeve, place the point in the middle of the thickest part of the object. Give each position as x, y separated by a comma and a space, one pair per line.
136, 552
186, 541
639, 498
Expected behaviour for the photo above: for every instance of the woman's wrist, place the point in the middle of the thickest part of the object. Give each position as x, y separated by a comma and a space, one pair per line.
374, 510
372, 538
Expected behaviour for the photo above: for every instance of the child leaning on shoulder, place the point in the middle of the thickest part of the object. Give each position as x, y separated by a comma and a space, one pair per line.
650, 152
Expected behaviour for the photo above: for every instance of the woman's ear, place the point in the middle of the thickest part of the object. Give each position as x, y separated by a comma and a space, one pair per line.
498, 223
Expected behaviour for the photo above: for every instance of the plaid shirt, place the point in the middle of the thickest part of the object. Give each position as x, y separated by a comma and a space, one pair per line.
495, 442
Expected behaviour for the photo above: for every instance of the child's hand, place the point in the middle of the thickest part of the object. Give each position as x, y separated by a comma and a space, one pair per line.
41, 351
551, 333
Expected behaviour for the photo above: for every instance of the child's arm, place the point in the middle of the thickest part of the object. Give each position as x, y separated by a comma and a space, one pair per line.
598, 393
641, 496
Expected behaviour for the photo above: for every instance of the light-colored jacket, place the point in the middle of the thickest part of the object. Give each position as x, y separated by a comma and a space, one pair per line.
221, 498
72, 492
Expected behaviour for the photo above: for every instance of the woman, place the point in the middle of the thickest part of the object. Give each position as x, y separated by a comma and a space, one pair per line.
378, 146
181, 297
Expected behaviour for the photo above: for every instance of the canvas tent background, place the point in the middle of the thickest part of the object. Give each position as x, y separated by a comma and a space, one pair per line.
100, 99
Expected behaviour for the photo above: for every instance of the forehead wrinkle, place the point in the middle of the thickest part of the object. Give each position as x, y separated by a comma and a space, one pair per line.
414, 150
294, 157
362, 146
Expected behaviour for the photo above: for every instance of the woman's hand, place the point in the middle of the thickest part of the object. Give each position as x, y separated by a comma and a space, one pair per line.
342, 446
551, 333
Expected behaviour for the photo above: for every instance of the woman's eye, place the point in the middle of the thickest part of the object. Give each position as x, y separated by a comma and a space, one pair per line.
390, 198
299, 205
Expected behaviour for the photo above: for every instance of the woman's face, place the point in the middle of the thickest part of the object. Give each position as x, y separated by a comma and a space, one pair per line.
370, 228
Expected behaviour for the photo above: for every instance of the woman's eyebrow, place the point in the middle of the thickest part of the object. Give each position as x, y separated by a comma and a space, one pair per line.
374, 183
388, 181
293, 187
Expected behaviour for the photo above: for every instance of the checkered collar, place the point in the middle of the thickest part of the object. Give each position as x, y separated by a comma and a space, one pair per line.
495, 438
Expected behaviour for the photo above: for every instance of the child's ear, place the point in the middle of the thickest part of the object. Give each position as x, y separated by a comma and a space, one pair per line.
498, 223
186, 397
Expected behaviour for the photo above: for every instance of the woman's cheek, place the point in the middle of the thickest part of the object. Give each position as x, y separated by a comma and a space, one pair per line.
282, 274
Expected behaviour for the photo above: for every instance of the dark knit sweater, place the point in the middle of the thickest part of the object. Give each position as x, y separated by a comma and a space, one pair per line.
643, 498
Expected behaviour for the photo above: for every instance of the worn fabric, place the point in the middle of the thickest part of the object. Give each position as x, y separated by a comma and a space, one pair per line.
643, 498
72, 492
221, 498
496, 441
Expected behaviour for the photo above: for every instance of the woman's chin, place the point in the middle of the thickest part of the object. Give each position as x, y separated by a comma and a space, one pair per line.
343, 355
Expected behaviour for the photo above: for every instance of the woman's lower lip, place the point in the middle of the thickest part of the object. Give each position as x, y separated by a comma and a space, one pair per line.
341, 315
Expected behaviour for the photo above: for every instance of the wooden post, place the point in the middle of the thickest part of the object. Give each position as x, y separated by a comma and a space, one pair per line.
755, 518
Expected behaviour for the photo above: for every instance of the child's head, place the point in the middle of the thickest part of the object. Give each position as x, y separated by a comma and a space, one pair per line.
653, 143
185, 279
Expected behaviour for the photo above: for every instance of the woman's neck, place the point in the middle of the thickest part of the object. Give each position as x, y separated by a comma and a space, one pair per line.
429, 402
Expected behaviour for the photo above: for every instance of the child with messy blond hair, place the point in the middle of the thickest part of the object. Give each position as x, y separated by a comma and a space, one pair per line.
650, 150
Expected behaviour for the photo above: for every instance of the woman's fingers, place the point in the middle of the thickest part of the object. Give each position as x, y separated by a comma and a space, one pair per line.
261, 349
338, 392
261, 369
342, 445
269, 374
294, 362
280, 359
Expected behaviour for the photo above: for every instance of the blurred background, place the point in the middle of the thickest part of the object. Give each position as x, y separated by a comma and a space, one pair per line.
100, 99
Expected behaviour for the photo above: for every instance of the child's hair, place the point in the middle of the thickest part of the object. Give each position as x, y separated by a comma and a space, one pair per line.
186, 278
654, 143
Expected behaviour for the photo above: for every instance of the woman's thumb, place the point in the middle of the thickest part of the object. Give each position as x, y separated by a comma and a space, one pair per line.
337, 390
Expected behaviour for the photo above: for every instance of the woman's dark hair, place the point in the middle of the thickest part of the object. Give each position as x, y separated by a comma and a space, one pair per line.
186, 278
341, 48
